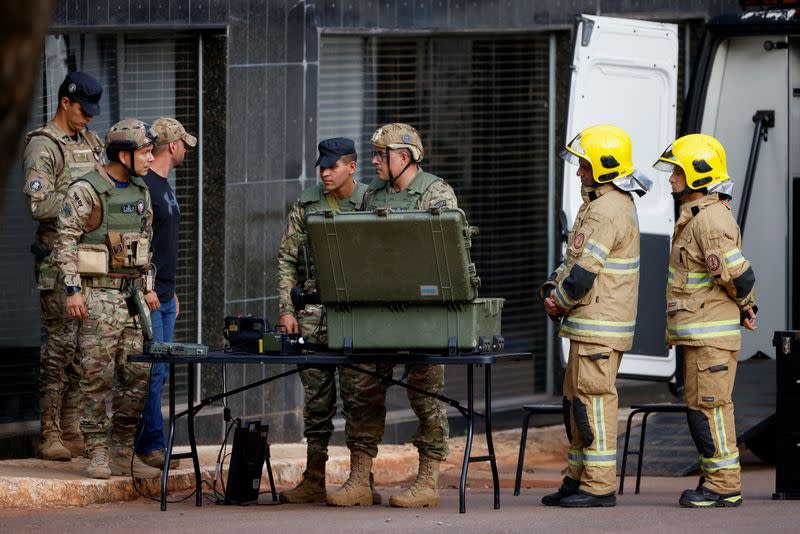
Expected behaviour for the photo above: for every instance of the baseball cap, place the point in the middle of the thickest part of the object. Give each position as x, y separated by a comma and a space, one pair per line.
169, 129
330, 150
84, 89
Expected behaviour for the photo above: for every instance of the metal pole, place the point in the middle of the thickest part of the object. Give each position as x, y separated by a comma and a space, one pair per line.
199, 206
551, 209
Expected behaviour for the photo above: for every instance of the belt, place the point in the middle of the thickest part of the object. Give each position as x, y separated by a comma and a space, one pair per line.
110, 282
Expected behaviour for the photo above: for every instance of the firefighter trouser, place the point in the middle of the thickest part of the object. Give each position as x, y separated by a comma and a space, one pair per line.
590, 416
709, 375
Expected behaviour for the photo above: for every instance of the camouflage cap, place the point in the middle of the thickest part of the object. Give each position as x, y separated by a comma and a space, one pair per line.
130, 134
169, 130
399, 135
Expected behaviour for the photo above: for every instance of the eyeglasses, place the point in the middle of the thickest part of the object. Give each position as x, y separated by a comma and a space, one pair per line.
380, 154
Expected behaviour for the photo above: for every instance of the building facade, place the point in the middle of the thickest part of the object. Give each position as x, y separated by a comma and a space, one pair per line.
260, 82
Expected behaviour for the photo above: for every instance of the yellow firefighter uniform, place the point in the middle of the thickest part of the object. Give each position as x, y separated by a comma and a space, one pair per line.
597, 286
710, 284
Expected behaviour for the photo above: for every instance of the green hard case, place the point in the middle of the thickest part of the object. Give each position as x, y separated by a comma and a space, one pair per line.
386, 256
402, 281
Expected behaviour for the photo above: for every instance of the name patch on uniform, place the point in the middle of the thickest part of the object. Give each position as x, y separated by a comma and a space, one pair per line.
577, 241
35, 185
712, 262
77, 199
429, 291
128, 208
708, 399
140, 206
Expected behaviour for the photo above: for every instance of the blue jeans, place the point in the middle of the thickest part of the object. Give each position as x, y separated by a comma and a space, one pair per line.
151, 436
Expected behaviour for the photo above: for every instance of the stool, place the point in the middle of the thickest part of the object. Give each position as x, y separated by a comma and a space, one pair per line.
530, 409
645, 409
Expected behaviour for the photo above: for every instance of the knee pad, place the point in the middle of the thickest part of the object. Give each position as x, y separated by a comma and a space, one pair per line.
582, 422
701, 432
565, 406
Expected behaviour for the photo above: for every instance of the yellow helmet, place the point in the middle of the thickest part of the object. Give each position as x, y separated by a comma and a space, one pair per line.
700, 156
608, 150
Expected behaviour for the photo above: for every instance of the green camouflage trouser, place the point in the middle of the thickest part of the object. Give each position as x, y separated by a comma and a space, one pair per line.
60, 368
367, 415
105, 339
363, 429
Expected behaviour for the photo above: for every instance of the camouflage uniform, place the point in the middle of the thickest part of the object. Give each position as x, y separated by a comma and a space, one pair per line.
369, 405
52, 160
319, 386
109, 333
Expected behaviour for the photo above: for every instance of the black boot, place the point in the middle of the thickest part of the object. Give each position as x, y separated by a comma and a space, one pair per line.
582, 499
568, 487
705, 498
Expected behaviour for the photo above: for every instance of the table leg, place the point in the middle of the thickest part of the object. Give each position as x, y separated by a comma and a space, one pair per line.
487, 390
470, 416
170, 437
198, 481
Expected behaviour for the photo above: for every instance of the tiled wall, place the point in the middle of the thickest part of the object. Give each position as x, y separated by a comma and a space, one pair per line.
271, 125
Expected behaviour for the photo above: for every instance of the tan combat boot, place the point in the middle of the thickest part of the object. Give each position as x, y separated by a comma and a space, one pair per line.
98, 463
312, 487
424, 491
356, 491
50, 445
376, 497
71, 435
120, 464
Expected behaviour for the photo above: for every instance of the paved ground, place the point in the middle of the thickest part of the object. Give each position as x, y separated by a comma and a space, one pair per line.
654, 510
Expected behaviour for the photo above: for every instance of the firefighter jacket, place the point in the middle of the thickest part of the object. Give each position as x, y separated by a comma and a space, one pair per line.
598, 283
710, 283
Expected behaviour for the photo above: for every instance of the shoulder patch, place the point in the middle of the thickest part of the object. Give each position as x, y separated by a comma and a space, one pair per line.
440, 204
577, 241
140, 206
77, 198
35, 185
66, 210
712, 262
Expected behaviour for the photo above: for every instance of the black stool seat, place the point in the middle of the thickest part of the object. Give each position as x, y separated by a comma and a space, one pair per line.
645, 409
530, 410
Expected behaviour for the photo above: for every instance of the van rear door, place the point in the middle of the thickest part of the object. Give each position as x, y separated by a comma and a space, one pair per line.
624, 72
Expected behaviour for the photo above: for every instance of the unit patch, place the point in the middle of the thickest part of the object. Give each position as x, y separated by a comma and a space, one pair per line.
440, 204
128, 208
66, 209
712, 262
140, 206
35, 185
577, 241
406, 138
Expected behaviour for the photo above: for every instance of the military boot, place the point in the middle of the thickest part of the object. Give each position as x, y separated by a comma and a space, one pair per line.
376, 497
124, 462
568, 487
98, 463
50, 445
71, 435
424, 491
356, 491
312, 487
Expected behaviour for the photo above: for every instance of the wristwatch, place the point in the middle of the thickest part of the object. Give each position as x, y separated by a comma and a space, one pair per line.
71, 290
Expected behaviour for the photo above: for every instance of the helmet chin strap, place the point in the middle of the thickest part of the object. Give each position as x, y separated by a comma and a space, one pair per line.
132, 169
392, 177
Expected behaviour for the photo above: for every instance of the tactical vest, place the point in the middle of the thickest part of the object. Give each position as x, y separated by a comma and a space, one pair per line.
123, 214
314, 200
77, 159
380, 196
